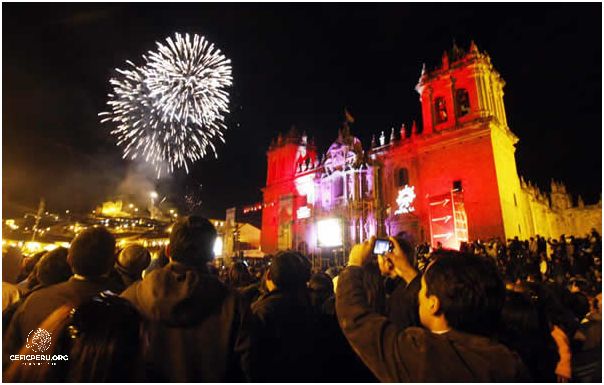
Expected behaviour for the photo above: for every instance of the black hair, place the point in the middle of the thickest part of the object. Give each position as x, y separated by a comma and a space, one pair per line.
192, 241
92, 252
469, 288
53, 267
321, 289
525, 330
406, 243
579, 304
29, 266
239, 276
289, 270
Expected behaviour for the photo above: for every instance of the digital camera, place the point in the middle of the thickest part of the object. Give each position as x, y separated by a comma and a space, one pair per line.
382, 246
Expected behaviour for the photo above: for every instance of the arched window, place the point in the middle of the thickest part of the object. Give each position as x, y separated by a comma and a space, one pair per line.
457, 185
402, 177
441, 110
462, 99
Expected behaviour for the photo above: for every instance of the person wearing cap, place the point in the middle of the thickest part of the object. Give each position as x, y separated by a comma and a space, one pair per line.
130, 264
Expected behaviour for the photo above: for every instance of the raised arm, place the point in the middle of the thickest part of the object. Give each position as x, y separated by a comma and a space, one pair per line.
390, 353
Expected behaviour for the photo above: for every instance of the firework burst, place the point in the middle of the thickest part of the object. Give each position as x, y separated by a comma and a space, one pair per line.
171, 109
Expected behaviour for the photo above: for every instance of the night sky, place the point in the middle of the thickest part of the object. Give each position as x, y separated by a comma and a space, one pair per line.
294, 64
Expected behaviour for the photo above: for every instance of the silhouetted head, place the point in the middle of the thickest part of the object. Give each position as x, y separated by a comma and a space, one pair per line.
192, 241
53, 267
133, 260
92, 252
239, 275
289, 270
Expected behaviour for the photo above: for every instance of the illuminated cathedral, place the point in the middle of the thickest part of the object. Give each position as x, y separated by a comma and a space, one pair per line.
453, 181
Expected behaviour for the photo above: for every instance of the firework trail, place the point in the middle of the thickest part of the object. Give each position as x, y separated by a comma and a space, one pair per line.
171, 109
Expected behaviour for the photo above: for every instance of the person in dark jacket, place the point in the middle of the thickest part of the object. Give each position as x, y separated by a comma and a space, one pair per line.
460, 302
195, 325
335, 359
91, 257
101, 339
525, 329
283, 346
402, 302
52, 268
586, 344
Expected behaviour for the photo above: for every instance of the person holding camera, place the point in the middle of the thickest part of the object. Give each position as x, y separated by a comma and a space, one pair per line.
402, 303
460, 301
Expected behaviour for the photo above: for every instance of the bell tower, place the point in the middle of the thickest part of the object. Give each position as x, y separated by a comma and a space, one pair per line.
464, 89
287, 158
466, 135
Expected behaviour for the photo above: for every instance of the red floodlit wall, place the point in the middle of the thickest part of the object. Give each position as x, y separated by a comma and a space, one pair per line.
281, 170
470, 162
435, 163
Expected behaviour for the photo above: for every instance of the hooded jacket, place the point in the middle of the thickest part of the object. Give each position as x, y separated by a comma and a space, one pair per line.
194, 326
415, 354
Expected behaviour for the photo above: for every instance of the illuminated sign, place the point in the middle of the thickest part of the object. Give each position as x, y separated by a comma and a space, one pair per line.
405, 199
448, 220
329, 232
303, 212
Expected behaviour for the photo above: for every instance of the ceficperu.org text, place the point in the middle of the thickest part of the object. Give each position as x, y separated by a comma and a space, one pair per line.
39, 357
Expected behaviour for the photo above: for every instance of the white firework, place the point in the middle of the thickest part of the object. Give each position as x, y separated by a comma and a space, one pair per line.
171, 109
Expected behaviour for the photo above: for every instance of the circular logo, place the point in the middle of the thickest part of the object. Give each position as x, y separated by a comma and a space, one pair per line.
38, 340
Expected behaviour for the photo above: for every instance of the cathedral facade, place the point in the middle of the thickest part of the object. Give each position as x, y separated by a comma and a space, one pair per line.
455, 180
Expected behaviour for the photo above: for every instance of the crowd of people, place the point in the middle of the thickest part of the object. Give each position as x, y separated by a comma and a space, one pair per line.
515, 311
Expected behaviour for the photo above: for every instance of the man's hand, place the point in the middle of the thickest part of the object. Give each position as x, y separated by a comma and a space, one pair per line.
386, 266
402, 267
361, 252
